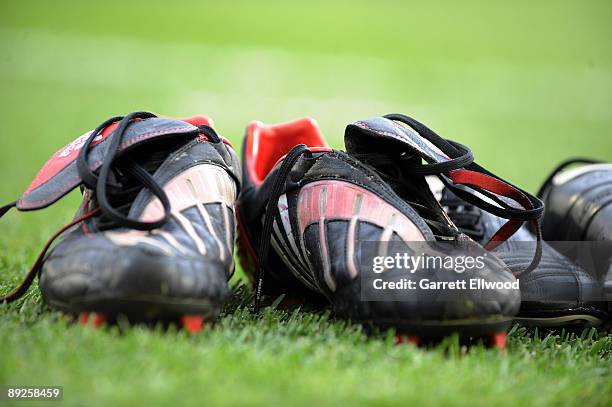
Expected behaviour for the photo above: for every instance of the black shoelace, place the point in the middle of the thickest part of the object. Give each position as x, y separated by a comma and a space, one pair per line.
278, 186
102, 184
119, 180
399, 171
461, 158
449, 148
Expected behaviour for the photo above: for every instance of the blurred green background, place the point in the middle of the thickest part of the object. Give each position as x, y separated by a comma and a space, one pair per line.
524, 83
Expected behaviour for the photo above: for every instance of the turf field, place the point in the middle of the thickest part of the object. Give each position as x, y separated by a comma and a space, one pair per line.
524, 84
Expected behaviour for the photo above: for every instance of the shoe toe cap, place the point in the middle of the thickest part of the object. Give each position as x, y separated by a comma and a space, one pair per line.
556, 285
97, 268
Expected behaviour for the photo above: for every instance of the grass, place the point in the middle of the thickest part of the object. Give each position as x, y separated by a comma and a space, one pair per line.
296, 358
525, 84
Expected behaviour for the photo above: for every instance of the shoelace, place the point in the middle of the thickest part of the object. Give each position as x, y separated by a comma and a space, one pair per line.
101, 182
104, 187
461, 171
396, 176
278, 184
467, 217
563, 165
29, 277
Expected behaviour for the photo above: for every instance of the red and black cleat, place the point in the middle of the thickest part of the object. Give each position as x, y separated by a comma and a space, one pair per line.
154, 237
307, 209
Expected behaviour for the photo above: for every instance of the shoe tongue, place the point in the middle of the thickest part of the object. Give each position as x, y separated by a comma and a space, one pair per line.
60, 175
381, 135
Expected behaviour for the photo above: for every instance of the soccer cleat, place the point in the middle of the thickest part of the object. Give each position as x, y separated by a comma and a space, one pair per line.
579, 209
492, 212
304, 214
154, 236
556, 293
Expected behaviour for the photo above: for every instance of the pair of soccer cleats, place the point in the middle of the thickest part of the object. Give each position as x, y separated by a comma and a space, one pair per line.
154, 236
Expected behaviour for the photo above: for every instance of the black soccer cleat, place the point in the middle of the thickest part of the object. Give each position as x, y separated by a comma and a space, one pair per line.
304, 213
556, 293
154, 236
579, 209
554, 290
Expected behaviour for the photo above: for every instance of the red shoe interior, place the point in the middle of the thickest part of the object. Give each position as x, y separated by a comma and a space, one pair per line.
266, 144
199, 120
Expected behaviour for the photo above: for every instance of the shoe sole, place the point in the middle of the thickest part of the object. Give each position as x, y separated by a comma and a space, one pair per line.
439, 329
491, 331
139, 308
191, 323
578, 320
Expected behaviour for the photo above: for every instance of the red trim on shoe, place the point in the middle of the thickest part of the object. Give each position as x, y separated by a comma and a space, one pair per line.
203, 120
499, 187
504, 233
65, 156
498, 340
199, 120
69, 153
491, 184
266, 144
99, 320
192, 323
